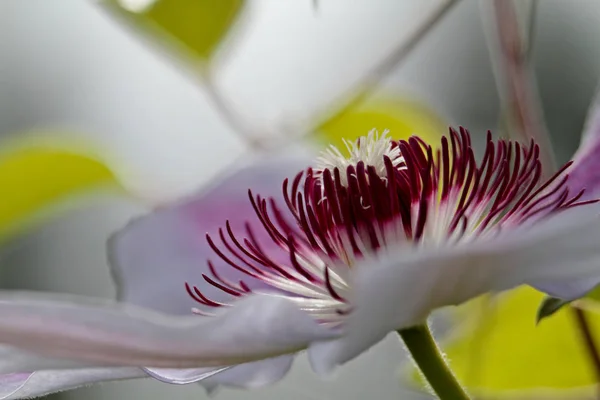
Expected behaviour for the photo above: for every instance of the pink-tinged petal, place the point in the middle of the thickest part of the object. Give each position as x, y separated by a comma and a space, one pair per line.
403, 289
10, 384
154, 256
585, 172
109, 334
41, 383
249, 375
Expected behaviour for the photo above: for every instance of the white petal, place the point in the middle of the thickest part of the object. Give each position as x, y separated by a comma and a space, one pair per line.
249, 375
14, 360
252, 375
179, 376
567, 289
585, 172
403, 289
80, 329
591, 129
10, 384
28, 385
154, 256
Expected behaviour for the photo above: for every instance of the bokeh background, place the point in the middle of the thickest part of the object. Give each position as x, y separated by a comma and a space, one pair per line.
71, 69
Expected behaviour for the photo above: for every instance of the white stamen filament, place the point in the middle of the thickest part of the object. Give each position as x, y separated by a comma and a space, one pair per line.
370, 149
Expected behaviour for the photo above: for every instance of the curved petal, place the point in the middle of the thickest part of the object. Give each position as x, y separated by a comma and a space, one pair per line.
15, 384
10, 384
252, 375
14, 360
249, 375
109, 334
585, 172
41, 383
401, 290
570, 289
154, 256
179, 376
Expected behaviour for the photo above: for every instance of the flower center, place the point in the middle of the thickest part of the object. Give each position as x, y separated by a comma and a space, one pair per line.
371, 150
385, 194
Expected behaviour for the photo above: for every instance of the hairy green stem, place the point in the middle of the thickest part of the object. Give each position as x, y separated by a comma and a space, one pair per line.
427, 356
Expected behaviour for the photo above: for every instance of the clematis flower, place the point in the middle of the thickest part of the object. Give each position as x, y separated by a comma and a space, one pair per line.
351, 249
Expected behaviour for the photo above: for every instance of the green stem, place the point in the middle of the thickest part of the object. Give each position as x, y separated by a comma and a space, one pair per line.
427, 356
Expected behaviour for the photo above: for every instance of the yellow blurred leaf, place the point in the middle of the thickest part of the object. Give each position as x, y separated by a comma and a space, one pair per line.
36, 176
195, 27
402, 117
498, 350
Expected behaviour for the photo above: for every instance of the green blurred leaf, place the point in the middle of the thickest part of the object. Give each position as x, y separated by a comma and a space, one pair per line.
195, 27
552, 304
549, 306
498, 351
403, 118
35, 176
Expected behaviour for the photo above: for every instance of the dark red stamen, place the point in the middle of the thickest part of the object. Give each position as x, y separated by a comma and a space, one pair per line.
335, 216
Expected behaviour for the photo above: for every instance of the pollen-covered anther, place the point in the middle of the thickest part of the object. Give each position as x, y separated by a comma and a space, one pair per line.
385, 194
370, 149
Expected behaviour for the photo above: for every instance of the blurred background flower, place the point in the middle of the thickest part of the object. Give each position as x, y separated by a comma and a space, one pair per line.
109, 108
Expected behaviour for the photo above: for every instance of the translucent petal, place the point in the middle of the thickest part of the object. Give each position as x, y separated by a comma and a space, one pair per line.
41, 383
106, 334
14, 360
585, 172
154, 256
249, 375
568, 289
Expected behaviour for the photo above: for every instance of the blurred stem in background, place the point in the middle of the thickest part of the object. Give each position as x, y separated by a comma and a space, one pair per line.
352, 98
588, 339
511, 46
232, 117
358, 93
